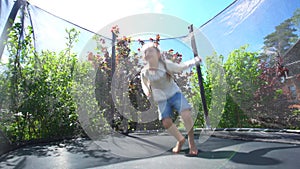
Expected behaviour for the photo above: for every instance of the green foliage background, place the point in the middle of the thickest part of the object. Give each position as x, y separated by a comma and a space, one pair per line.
37, 89
41, 92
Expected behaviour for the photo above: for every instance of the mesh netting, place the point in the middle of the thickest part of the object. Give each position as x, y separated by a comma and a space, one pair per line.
246, 86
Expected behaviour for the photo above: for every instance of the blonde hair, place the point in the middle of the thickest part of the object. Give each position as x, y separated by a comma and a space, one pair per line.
147, 46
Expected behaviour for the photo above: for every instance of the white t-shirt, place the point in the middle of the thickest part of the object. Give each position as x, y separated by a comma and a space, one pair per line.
157, 82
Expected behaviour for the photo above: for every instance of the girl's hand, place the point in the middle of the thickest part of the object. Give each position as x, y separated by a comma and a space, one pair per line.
198, 60
148, 95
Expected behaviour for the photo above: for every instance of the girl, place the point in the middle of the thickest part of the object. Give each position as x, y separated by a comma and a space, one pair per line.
157, 82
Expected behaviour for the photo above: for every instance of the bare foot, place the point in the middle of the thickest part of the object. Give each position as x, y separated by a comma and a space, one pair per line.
178, 146
193, 151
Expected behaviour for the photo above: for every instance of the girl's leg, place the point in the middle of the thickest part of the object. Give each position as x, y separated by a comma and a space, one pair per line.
189, 123
173, 130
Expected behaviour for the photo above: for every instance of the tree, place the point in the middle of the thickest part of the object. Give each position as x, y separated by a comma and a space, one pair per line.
215, 87
271, 100
296, 19
282, 39
125, 101
38, 87
241, 75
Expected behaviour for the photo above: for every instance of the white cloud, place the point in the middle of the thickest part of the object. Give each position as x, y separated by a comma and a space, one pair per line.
234, 17
94, 14
158, 6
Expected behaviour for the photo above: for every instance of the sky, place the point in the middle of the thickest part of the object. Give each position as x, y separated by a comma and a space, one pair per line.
246, 22
256, 18
94, 14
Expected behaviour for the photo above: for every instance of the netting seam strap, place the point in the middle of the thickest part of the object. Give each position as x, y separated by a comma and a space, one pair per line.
218, 14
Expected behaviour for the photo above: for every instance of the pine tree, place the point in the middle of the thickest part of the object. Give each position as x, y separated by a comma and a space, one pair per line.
283, 37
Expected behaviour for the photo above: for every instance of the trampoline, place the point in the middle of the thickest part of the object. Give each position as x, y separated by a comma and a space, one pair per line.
71, 97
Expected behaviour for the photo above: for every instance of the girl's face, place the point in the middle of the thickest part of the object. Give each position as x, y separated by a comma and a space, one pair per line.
152, 55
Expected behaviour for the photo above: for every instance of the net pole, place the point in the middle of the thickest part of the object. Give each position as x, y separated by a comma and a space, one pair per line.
200, 79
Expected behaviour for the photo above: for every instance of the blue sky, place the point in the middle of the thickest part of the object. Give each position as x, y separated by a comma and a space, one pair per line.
195, 12
93, 14
256, 18
247, 23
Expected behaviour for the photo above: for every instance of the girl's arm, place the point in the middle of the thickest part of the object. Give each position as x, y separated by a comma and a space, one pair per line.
179, 67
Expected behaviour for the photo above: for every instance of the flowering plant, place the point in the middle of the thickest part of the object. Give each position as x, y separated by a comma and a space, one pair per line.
126, 71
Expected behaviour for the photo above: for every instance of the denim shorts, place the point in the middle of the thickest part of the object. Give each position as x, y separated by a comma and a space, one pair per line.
167, 107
